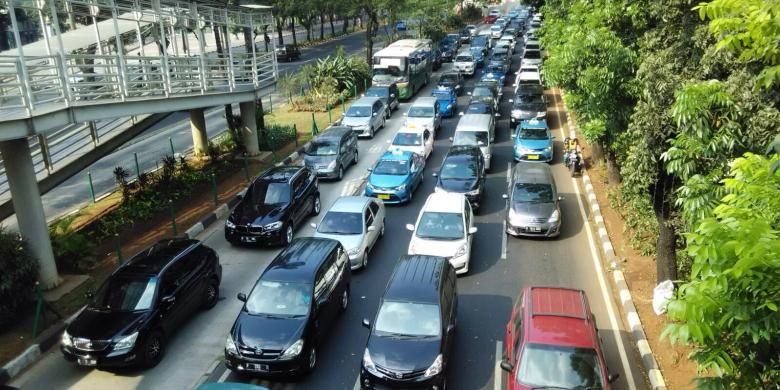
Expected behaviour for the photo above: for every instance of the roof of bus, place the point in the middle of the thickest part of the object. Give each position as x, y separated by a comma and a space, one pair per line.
404, 47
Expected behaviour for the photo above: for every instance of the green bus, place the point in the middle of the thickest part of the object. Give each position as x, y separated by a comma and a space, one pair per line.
406, 62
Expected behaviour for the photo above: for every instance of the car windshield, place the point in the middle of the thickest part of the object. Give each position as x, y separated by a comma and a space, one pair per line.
392, 167
125, 293
534, 105
449, 78
341, 222
527, 133
531, 46
478, 108
420, 112
459, 169
442, 95
359, 111
464, 59
532, 193
408, 319
532, 54
320, 148
389, 71
476, 51
279, 299
476, 138
378, 92
269, 192
543, 366
440, 226
496, 28
498, 69
482, 91
407, 139
499, 56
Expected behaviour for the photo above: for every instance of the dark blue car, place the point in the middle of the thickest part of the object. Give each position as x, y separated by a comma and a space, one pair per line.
495, 72
447, 99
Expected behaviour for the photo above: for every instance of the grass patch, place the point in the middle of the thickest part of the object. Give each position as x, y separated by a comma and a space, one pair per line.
302, 119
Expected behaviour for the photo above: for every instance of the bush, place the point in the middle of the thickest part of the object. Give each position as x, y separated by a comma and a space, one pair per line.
17, 279
276, 136
73, 251
471, 13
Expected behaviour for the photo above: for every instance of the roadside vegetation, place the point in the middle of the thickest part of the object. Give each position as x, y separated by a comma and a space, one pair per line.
680, 102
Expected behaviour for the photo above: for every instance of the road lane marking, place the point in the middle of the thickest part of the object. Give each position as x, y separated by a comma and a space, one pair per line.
497, 375
595, 257
503, 242
224, 375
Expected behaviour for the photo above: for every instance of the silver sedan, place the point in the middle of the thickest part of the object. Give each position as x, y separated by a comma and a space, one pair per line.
355, 221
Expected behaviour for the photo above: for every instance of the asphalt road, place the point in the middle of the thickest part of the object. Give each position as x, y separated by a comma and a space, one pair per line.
500, 267
152, 145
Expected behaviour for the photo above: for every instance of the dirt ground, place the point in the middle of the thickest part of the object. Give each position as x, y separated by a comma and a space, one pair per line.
640, 273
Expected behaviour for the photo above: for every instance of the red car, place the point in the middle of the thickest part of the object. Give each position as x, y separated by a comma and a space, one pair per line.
552, 342
490, 19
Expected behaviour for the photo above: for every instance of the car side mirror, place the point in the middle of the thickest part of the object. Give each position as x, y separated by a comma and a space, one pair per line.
451, 139
512, 135
497, 115
506, 366
560, 198
472, 230
371, 228
480, 143
366, 323
405, 114
369, 169
450, 328
89, 295
374, 114
553, 137
460, 114
410, 227
511, 101
169, 299
612, 377
468, 93
435, 174
313, 225
392, 95
505, 196
241, 297
240, 197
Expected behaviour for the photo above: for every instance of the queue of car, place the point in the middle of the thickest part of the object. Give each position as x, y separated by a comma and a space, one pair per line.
295, 301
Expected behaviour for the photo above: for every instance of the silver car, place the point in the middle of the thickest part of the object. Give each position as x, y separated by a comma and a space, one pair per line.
534, 208
355, 221
424, 114
365, 116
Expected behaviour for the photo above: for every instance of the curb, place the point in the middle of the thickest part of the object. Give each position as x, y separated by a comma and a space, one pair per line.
632, 317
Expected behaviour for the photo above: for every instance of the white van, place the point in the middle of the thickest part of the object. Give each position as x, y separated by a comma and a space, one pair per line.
476, 130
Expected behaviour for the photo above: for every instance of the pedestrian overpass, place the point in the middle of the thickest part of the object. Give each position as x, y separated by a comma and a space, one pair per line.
104, 67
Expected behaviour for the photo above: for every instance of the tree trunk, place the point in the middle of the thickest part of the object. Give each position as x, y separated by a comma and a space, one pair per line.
613, 171
666, 246
307, 26
332, 27
322, 26
597, 153
345, 25
249, 40
260, 117
292, 27
279, 27
369, 39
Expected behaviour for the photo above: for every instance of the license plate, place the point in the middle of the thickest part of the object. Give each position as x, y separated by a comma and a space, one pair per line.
257, 367
535, 229
86, 362
248, 239
383, 196
533, 156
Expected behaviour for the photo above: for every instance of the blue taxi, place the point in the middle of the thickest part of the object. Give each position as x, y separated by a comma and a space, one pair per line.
533, 141
447, 99
395, 176
495, 72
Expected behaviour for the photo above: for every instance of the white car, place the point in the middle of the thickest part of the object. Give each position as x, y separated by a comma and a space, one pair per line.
496, 31
465, 63
472, 30
445, 227
413, 139
355, 221
510, 39
528, 74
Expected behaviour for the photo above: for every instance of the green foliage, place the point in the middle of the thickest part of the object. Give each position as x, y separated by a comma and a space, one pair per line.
17, 278
729, 310
471, 13
74, 251
276, 135
328, 79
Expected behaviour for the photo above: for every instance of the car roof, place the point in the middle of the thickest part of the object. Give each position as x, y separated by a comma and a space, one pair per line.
444, 202
299, 261
534, 124
558, 316
461, 152
335, 132
474, 120
282, 173
443, 88
424, 101
349, 203
416, 278
155, 258
530, 172
396, 155
366, 101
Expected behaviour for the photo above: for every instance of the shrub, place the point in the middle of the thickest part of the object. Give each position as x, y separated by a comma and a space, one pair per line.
74, 251
17, 278
471, 13
276, 136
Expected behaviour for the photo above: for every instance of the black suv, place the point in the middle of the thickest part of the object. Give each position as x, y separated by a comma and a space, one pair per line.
387, 93
412, 336
142, 304
288, 53
463, 171
273, 206
453, 79
290, 310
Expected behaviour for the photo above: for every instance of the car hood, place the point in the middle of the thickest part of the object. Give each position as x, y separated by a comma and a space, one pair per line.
403, 354
456, 185
387, 181
447, 84
105, 325
419, 122
533, 210
419, 149
316, 161
528, 61
349, 241
267, 332
444, 102
534, 143
355, 121
431, 247
247, 213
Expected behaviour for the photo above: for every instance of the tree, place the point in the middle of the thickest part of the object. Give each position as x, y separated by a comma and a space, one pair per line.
728, 311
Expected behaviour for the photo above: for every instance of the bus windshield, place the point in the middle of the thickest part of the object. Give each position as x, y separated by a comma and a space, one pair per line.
387, 74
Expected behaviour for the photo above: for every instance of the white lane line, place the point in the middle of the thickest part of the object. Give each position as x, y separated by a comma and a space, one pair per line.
497, 374
595, 257
224, 375
357, 383
503, 241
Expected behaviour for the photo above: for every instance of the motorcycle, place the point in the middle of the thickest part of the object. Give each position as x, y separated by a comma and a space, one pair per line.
573, 161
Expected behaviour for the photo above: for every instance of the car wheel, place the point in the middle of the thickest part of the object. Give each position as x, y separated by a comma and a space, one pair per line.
387, 114
288, 235
153, 350
344, 299
355, 161
210, 295
364, 260
341, 173
311, 359
371, 133
316, 206
382, 230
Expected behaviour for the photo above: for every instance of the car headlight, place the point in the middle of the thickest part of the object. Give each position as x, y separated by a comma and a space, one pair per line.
353, 251
332, 164
126, 342
516, 113
229, 224
274, 225
435, 368
522, 149
461, 251
368, 364
541, 114
370, 186
554, 216
230, 346
548, 149
293, 350
400, 188
66, 340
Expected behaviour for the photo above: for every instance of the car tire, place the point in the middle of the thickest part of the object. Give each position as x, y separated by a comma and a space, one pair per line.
344, 300
311, 359
288, 235
364, 260
316, 206
210, 295
371, 133
355, 160
153, 350
341, 173
382, 230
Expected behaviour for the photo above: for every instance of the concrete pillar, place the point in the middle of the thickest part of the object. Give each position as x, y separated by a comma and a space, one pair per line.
26, 199
249, 128
200, 140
